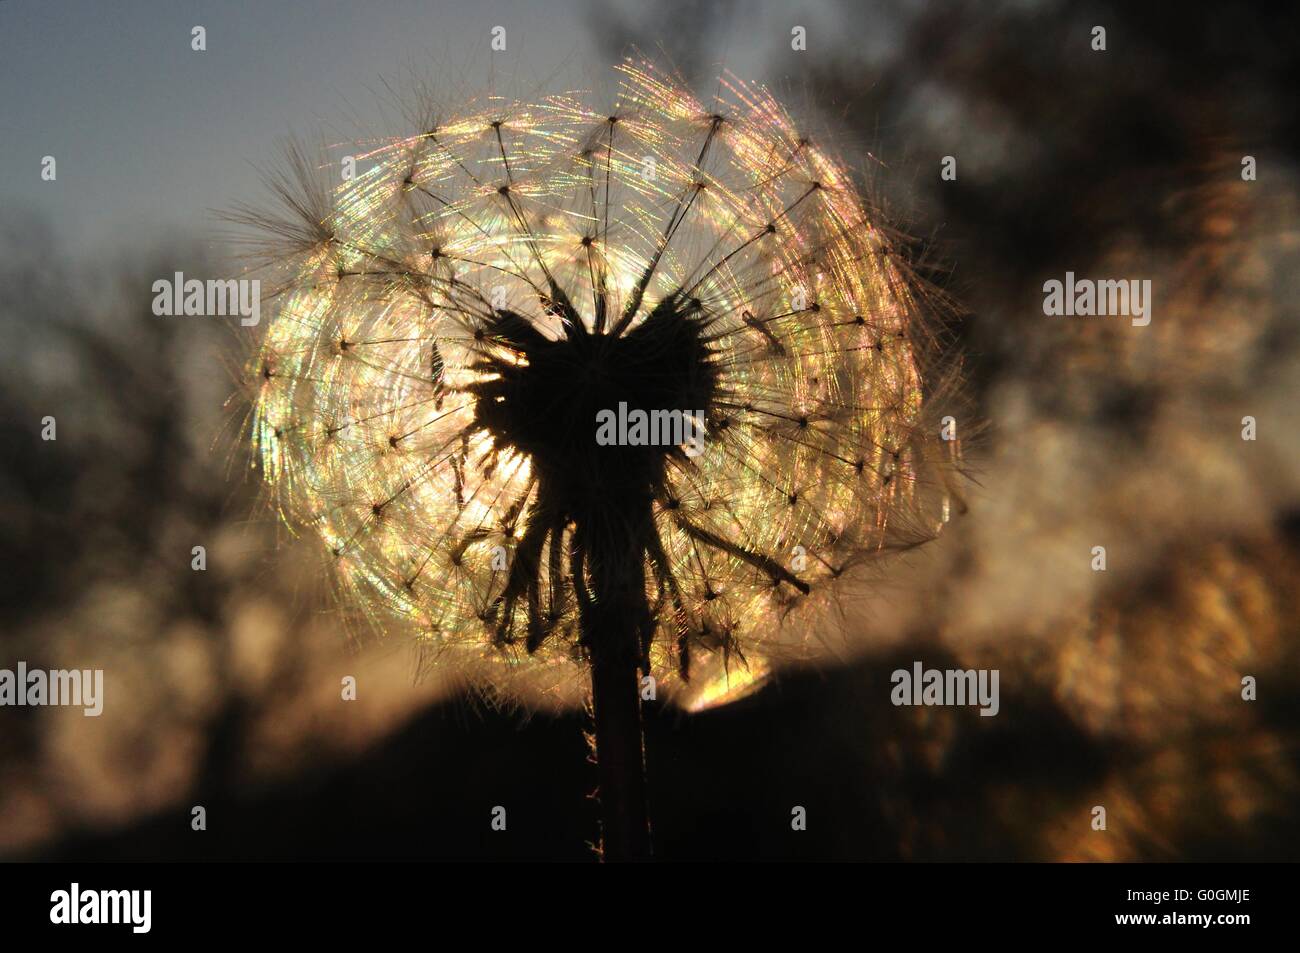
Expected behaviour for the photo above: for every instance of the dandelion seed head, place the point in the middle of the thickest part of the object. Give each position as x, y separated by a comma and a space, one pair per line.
449, 318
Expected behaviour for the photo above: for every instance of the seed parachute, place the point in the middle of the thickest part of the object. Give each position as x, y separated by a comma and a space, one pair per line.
449, 324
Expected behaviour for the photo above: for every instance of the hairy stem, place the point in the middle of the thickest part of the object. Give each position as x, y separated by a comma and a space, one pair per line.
613, 625
620, 757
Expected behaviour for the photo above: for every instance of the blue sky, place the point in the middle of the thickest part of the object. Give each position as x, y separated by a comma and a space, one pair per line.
149, 135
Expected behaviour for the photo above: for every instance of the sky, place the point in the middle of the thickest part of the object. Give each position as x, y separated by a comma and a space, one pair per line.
149, 135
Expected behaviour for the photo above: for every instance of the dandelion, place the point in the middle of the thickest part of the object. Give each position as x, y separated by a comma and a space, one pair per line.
454, 321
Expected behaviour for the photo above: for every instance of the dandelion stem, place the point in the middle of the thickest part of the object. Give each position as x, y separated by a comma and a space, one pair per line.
614, 625
620, 756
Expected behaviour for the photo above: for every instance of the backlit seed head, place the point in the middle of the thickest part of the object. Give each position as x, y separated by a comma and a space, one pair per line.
563, 280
